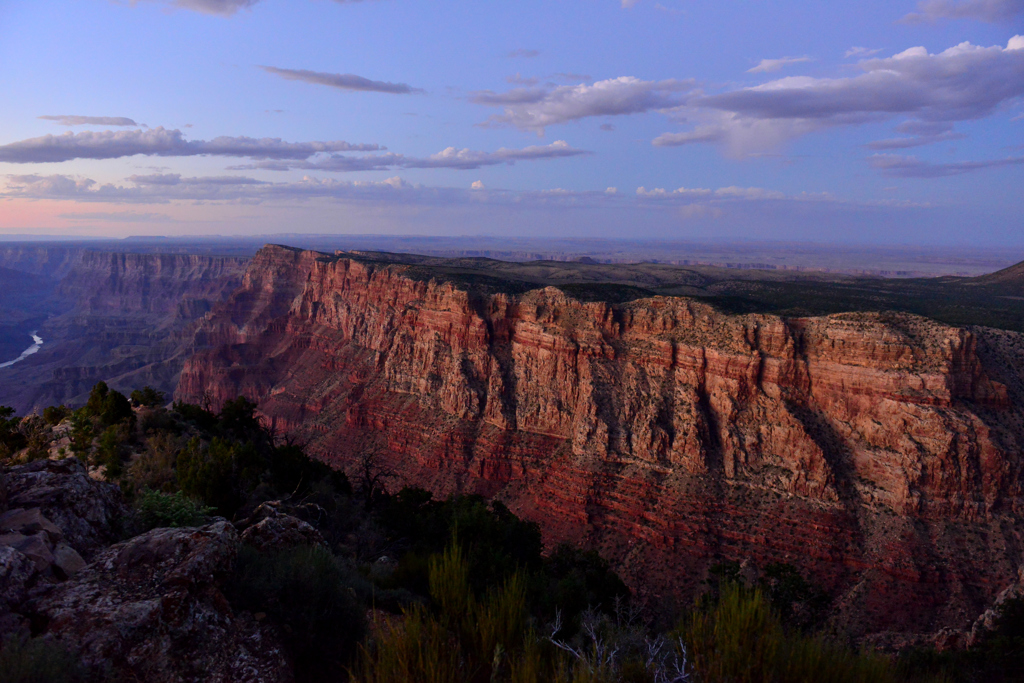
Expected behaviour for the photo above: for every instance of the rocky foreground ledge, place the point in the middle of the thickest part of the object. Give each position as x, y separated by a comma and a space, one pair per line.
150, 607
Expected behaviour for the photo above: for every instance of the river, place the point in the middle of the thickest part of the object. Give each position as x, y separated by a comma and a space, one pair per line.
37, 343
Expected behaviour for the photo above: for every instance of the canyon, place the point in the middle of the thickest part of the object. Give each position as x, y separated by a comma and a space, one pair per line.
671, 418
125, 318
880, 453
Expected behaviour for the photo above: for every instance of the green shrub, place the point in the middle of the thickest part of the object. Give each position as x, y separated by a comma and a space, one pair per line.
37, 660
304, 590
55, 414
82, 433
159, 509
11, 439
742, 640
148, 396
462, 639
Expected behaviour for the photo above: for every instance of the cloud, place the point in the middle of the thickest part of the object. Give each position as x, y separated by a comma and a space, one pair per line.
768, 65
731, 192
861, 52
161, 142
536, 108
67, 120
224, 8
924, 132
468, 159
172, 187
452, 157
991, 11
961, 83
119, 217
518, 79
897, 166
341, 81
521, 53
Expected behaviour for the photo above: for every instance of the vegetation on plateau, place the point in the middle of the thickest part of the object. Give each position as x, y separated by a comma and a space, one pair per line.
411, 588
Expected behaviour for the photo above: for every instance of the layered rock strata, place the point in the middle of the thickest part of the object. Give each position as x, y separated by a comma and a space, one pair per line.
874, 451
126, 319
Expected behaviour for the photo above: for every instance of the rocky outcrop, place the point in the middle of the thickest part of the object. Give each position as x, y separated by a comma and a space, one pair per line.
148, 608
875, 451
151, 609
58, 498
270, 529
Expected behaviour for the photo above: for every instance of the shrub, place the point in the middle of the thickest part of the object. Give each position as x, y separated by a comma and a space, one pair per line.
108, 452
311, 596
37, 660
148, 396
154, 467
55, 414
742, 640
462, 639
158, 509
11, 439
82, 433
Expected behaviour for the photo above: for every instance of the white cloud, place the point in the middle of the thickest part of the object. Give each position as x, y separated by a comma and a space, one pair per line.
469, 159
161, 142
689, 193
452, 157
68, 120
981, 10
477, 185
341, 81
536, 108
961, 83
769, 65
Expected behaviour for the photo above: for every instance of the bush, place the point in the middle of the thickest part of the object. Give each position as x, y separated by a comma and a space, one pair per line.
11, 439
742, 640
158, 509
55, 414
37, 660
462, 639
148, 396
311, 596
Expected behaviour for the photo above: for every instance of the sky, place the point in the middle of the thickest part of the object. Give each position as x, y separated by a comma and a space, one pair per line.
897, 122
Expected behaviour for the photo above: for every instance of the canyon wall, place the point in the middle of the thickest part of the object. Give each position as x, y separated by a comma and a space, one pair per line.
123, 318
879, 453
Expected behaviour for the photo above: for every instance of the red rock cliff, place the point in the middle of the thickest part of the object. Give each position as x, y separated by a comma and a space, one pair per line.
874, 451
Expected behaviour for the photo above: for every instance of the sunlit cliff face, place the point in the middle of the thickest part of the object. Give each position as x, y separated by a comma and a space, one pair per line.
662, 422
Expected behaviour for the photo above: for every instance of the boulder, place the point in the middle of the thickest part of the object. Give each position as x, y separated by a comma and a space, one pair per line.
277, 530
87, 514
151, 609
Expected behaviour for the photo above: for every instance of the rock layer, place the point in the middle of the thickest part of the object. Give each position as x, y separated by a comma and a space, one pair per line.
875, 451
126, 319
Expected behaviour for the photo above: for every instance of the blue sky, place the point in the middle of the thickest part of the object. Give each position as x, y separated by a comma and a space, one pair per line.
895, 122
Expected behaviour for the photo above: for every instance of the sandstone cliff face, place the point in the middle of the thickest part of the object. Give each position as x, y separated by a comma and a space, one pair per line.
875, 451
